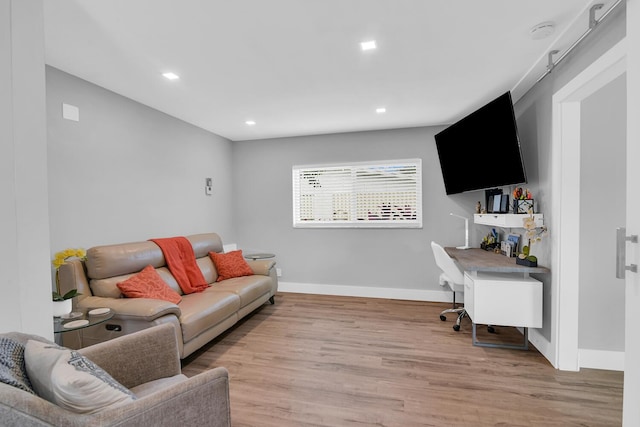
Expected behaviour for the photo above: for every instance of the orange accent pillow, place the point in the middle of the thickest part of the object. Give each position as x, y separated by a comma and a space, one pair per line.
230, 264
148, 284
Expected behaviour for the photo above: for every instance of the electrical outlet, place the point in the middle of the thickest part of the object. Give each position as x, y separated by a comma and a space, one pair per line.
278, 272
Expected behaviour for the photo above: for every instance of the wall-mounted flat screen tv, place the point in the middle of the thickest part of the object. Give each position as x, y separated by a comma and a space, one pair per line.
482, 150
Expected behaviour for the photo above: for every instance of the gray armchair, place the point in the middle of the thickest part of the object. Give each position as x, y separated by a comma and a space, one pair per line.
147, 362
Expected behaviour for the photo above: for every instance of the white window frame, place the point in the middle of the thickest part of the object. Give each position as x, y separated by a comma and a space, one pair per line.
354, 197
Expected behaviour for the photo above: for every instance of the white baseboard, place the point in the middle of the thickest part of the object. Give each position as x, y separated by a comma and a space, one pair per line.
369, 292
542, 345
601, 359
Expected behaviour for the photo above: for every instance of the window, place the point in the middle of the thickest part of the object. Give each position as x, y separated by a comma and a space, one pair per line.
371, 194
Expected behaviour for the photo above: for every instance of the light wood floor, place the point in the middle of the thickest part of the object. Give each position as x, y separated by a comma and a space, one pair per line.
313, 360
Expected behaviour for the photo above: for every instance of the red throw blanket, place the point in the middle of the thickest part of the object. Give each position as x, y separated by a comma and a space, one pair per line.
181, 261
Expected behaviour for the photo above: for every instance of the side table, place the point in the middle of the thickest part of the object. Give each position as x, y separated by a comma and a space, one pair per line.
259, 255
79, 319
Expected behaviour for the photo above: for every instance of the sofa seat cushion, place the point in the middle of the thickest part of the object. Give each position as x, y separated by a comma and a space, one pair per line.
248, 288
203, 310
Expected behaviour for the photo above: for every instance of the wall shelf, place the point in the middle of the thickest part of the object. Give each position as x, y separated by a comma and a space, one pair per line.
506, 220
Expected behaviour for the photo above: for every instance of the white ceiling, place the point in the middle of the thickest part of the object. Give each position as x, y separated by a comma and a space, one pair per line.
295, 66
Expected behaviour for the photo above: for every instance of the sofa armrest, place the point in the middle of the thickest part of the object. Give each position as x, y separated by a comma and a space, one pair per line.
261, 266
139, 357
133, 308
202, 400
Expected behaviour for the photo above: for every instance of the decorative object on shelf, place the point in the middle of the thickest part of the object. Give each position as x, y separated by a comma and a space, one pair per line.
534, 234
478, 208
522, 201
63, 304
509, 247
490, 241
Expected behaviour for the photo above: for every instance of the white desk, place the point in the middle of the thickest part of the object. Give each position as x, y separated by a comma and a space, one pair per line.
499, 292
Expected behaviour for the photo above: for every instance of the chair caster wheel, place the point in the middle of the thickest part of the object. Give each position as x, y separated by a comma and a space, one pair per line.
443, 317
456, 328
491, 329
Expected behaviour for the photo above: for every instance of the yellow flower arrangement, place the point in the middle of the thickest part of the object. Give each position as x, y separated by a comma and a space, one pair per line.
61, 258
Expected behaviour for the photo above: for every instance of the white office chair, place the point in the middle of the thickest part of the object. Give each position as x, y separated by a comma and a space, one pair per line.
452, 277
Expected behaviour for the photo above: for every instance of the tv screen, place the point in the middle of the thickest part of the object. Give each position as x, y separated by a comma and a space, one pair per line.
482, 150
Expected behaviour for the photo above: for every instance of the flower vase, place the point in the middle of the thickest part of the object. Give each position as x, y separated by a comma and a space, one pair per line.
62, 307
526, 262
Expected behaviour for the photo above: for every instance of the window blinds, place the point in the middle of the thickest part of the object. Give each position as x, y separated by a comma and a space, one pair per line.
371, 194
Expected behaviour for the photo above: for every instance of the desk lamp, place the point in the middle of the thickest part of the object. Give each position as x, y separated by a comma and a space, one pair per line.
466, 231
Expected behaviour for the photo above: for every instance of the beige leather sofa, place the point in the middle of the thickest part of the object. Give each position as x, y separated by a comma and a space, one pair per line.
198, 318
146, 363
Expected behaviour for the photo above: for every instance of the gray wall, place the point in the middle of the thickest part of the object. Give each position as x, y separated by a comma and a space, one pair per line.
24, 228
394, 258
126, 172
533, 111
602, 209
391, 258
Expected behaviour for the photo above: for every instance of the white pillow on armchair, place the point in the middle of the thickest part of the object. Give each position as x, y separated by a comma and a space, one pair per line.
68, 379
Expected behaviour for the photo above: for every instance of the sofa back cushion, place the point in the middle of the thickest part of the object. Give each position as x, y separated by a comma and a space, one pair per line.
109, 287
109, 264
125, 258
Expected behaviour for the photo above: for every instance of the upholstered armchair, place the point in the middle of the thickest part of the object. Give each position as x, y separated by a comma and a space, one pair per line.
146, 364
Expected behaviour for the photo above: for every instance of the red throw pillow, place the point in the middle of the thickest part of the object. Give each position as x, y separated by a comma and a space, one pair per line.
148, 284
230, 264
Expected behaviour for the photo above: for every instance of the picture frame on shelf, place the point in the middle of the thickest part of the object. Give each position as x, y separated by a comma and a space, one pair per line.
523, 206
504, 203
497, 202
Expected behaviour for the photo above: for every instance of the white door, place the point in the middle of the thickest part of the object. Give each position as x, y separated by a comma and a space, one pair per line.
568, 103
631, 408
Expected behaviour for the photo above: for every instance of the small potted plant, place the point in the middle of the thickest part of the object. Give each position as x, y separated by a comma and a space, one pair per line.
534, 234
63, 304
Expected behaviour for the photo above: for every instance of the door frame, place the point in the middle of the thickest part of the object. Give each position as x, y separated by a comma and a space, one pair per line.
565, 222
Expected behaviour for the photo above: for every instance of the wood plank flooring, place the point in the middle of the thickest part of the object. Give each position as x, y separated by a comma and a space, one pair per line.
312, 360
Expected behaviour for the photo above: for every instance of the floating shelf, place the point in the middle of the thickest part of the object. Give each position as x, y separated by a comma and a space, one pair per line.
506, 220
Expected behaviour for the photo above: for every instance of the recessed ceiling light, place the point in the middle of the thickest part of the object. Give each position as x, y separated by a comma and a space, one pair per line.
369, 45
542, 30
250, 122
171, 76
381, 110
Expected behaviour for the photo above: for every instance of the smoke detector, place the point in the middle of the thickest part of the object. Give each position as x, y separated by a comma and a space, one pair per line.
542, 30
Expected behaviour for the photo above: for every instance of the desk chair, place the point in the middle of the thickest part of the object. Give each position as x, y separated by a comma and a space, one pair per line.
452, 277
